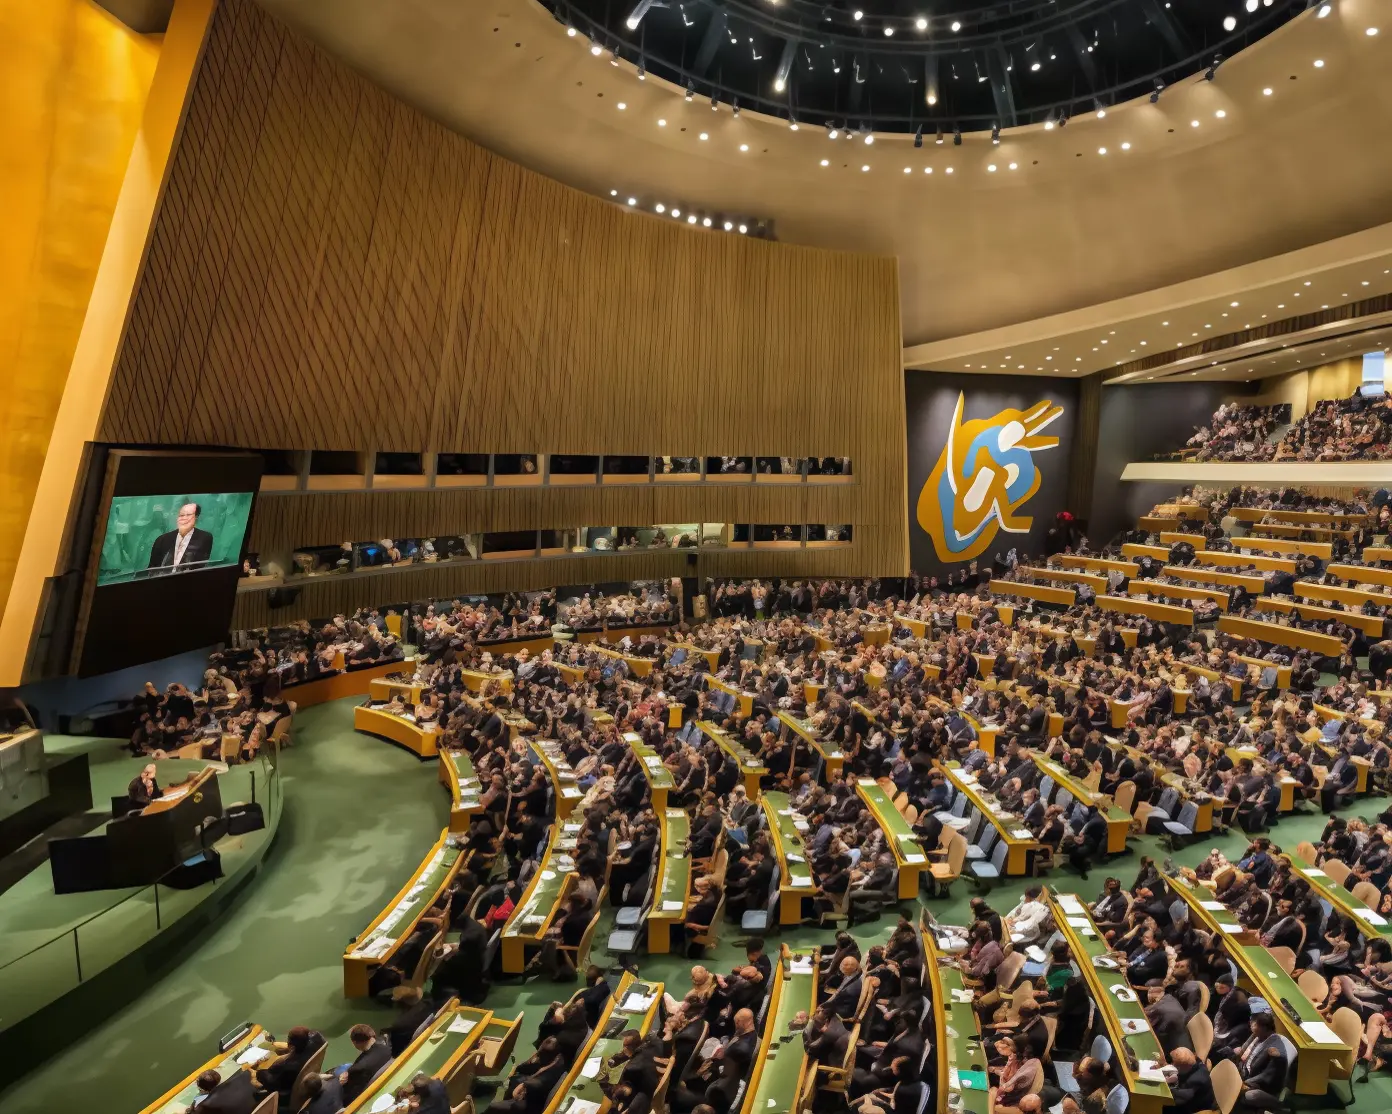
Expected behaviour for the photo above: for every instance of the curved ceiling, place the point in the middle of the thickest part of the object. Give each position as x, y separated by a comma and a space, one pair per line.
1283, 150
906, 65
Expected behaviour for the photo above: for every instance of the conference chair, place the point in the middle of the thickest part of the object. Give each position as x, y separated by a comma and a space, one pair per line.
465, 1107
1284, 957
313, 1066
1348, 1026
1201, 1035
268, 1105
1227, 1085
498, 1050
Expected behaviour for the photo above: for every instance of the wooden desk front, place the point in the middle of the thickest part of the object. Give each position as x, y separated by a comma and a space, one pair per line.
377, 943
1278, 635
1160, 612
1177, 592
751, 769
1066, 576
1086, 943
1322, 550
830, 753
795, 880
1361, 574
457, 774
421, 741
1350, 597
1043, 593
1370, 625
673, 882
1254, 585
899, 836
353, 683
384, 688
1264, 977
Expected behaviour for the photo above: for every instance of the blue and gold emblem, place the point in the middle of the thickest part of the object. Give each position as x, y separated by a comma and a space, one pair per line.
985, 474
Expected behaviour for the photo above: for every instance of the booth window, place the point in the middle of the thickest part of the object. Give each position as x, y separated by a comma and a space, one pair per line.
508, 544
399, 464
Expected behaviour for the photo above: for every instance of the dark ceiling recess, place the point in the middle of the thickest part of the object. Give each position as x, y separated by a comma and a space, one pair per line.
901, 66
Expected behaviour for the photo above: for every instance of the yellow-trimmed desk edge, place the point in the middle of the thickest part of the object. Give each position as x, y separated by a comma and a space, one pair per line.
234, 1050
356, 968
444, 1018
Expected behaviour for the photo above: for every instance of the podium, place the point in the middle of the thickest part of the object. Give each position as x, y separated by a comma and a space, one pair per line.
141, 847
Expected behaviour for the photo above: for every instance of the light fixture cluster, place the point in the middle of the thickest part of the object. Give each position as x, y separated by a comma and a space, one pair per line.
701, 218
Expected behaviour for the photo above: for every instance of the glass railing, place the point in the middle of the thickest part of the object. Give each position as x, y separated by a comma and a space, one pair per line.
39, 966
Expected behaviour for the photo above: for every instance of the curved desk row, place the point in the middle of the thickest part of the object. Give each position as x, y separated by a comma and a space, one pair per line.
1019, 841
253, 1047
659, 777
1254, 585
637, 1002
909, 859
1296, 1017
1041, 593
422, 741
752, 770
1277, 635
1118, 819
1178, 592
439, 1052
564, 789
795, 880
457, 774
380, 941
673, 882
806, 731
1361, 574
1159, 612
541, 901
1370, 625
782, 1073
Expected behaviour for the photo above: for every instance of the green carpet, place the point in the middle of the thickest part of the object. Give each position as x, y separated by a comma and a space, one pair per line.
359, 815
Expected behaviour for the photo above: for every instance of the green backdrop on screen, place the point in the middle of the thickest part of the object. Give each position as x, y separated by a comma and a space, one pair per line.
137, 523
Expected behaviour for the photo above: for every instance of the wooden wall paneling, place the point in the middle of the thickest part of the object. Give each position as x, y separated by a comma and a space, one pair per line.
330, 269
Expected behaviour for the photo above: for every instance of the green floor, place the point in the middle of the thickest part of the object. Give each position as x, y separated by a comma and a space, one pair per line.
359, 815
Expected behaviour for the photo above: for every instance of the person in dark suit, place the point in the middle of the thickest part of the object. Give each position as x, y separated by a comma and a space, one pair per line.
233, 1095
429, 1095
847, 996
1147, 962
1193, 1091
1166, 1017
461, 973
1232, 1018
1262, 1062
143, 788
531, 1083
184, 546
597, 991
373, 1056
323, 1095
280, 1074
825, 1038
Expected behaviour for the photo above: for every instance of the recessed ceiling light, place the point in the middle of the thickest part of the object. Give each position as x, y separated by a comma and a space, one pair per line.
744, 146
743, 229
1164, 322
1234, 304
927, 170
921, 23
1324, 10
1307, 282
659, 207
613, 193
948, 170
956, 26
1319, 63
706, 222
633, 201
1013, 165
1126, 146
865, 167
704, 135
1229, 23
825, 163
691, 219
1370, 32
570, 32
908, 170
1101, 150
1193, 123
1267, 91
992, 167
1221, 114
676, 212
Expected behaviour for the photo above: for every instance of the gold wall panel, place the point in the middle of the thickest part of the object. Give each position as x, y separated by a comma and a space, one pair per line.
333, 270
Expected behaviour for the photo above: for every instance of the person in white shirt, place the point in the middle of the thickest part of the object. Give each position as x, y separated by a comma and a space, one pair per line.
1025, 923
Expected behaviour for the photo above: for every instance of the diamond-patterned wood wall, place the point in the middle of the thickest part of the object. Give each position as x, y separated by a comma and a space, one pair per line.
330, 269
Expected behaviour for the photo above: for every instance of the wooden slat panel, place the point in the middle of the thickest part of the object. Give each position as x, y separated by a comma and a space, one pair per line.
332, 270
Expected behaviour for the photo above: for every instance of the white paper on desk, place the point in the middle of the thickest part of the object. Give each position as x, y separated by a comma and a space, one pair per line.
461, 1025
964, 996
800, 824
795, 858
592, 1066
382, 1103
1079, 922
915, 857
570, 791
1149, 1071
1071, 905
1036, 953
1135, 1025
785, 812
801, 883
800, 967
574, 828
253, 1055
653, 760
1122, 992
1374, 918
1314, 872
583, 1106
953, 1082
866, 781
1319, 1031
1232, 929
1021, 833
673, 906
1212, 906
636, 1003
